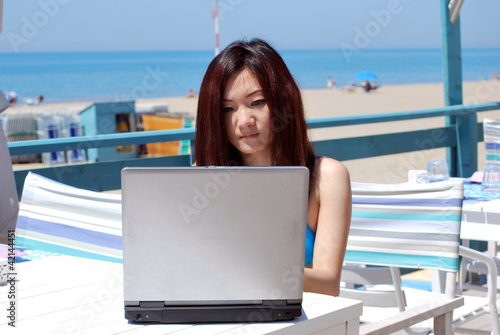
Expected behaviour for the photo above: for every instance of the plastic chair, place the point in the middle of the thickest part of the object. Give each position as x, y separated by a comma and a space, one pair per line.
481, 223
404, 226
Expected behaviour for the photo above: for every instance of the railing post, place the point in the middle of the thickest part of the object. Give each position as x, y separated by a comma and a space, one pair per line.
462, 160
467, 140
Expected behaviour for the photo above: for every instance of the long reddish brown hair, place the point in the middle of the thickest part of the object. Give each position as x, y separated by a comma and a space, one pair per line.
289, 141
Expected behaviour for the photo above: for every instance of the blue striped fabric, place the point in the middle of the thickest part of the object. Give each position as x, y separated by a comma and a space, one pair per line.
491, 145
58, 218
407, 216
407, 202
70, 233
404, 261
491, 130
492, 159
64, 250
405, 225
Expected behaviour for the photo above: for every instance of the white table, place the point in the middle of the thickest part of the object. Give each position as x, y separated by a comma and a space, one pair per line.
481, 222
64, 295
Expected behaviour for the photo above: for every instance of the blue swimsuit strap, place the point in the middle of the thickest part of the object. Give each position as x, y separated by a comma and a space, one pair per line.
310, 237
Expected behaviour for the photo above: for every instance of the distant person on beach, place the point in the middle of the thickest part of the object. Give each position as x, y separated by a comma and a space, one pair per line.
36, 101
367, 86
11, 97
250, 113
191, 93
331, 82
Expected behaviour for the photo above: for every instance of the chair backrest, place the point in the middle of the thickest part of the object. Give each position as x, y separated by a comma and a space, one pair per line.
406, 225
8, 196
58, 218
492, 141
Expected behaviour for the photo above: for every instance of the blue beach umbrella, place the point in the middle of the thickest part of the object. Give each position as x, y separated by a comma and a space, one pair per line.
365, 75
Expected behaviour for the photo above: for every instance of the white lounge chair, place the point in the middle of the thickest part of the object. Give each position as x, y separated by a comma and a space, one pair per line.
404, 226
481, 222
58, 218
390, 211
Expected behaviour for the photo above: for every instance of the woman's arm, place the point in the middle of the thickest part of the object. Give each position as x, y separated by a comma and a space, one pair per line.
334, 202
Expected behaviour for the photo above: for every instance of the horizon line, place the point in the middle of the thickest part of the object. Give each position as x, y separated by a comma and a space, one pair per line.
212, 50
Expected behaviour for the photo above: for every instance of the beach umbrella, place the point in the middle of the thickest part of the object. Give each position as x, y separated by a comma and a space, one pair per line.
365, 75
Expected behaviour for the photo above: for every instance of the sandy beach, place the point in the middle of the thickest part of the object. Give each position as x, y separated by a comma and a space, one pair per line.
320, 103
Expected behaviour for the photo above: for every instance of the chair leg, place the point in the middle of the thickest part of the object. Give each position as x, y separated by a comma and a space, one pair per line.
396, 280
462, 275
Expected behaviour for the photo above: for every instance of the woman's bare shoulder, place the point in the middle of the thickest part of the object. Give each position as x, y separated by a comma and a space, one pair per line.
332, 180
329, 168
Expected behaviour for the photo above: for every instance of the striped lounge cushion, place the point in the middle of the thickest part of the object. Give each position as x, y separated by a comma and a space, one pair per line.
58, 218
405, 225
492, 141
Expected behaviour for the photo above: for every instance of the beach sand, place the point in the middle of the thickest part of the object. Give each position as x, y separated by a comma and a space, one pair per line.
320, 103
393, 168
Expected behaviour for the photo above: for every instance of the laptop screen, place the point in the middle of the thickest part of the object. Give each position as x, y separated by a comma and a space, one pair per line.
218, 235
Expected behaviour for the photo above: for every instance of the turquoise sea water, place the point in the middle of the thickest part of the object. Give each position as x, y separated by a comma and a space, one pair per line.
101, 76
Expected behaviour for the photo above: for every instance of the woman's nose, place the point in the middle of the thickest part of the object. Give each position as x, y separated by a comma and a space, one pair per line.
246, 117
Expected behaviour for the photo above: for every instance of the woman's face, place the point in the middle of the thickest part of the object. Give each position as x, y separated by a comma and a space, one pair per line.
247, 118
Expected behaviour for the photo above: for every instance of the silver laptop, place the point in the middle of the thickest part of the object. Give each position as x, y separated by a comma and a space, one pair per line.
217, 244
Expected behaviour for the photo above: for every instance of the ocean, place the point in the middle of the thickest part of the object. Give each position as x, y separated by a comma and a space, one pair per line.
108, 76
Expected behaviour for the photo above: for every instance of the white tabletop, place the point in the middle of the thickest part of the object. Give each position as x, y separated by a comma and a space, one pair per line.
481, 221
491, 207
64, 295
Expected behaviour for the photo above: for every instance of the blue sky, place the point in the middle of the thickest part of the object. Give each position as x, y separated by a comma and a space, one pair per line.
106, 25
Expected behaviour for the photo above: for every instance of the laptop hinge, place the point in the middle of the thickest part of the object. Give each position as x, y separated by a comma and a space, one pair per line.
151, 304
274, 302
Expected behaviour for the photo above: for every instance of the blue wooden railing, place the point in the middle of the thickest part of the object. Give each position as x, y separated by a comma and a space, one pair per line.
101, 176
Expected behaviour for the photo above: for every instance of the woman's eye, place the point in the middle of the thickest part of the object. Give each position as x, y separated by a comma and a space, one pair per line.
258, 102
226, 109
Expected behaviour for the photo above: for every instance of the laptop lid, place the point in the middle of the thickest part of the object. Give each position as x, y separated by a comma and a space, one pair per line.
217, 235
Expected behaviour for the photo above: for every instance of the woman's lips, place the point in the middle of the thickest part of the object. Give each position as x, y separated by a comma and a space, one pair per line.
249, 136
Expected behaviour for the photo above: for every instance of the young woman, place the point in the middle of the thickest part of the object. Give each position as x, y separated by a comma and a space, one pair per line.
250, 113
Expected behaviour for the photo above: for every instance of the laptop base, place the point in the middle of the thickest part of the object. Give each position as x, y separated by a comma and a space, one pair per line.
211, 314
